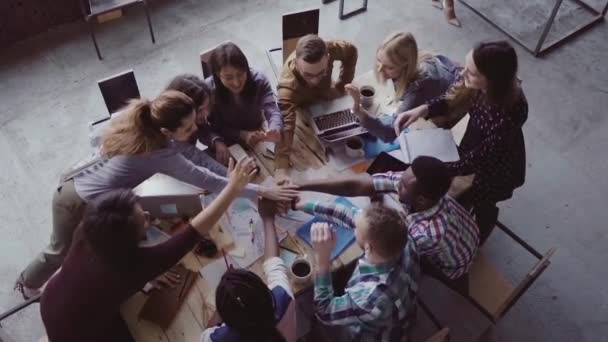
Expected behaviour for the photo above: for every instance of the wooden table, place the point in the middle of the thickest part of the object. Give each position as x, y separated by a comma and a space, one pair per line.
310, 159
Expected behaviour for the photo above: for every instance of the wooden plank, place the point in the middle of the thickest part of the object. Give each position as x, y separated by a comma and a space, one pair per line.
487, 286
113, 15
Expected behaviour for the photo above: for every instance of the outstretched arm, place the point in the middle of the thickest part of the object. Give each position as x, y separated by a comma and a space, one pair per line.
349, 186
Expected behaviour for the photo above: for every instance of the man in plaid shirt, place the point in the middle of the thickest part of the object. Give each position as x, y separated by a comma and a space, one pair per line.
446, 236
379, 300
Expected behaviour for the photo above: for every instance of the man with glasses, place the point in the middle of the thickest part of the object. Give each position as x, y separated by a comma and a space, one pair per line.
305, 79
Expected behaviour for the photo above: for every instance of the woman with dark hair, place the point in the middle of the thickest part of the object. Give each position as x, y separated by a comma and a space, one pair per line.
244, 107
200, 94
493, 147
137, 145
106, 264
251, 309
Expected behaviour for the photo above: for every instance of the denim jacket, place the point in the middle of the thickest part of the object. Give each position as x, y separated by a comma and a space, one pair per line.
436, 76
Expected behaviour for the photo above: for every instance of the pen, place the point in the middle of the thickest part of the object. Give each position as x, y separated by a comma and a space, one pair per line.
251, 228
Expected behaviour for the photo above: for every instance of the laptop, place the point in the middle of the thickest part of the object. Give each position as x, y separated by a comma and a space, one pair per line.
167, 197
334, 120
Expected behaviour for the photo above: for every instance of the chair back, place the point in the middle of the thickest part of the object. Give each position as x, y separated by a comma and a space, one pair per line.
205, 56
117, 90
297, 25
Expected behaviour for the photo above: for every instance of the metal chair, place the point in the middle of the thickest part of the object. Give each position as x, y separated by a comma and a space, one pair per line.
118, 89
93, 8
295, 25
343, 15
4, 337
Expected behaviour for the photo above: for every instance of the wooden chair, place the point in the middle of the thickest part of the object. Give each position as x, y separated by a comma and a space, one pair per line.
205, 56
490, 292
118, 89
4, 337
443, 333
295, 25
91, 9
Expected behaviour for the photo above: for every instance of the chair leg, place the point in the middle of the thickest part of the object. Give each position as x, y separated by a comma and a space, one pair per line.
149, 22
92, 31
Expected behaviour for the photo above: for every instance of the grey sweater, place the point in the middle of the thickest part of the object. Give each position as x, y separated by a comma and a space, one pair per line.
436, 76
129, 171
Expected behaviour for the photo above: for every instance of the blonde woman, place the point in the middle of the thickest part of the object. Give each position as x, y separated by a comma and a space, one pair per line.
417, 78
136, 146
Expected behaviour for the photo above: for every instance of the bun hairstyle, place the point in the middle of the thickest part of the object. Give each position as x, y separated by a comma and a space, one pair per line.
137, 131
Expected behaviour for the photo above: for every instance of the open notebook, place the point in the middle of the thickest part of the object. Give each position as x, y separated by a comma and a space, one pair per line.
434, 142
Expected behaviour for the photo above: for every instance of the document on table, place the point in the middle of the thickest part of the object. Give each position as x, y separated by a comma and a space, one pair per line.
213, 272
434, 142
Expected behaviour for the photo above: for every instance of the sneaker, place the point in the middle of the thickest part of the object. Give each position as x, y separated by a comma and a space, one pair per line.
26, 292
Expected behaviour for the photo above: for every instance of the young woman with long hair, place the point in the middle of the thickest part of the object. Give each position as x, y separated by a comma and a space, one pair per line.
137, 145
244, 107
417, 77
107, 263
200, 94
493, 146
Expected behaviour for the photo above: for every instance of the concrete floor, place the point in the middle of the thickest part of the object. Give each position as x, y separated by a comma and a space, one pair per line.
48, 95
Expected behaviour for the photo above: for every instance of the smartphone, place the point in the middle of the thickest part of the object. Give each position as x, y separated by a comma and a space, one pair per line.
384, 162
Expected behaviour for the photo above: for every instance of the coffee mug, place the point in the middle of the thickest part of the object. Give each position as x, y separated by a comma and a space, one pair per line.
301, 270
367, 96
354, 147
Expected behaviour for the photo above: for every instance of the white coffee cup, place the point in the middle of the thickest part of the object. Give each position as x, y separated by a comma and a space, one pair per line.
354, 147
301, 270
367, 96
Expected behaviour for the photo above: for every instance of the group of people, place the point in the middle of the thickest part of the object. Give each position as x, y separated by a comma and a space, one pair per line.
98, 224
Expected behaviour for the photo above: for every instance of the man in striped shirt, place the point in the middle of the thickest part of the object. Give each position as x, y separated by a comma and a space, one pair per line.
379, 300
446, 236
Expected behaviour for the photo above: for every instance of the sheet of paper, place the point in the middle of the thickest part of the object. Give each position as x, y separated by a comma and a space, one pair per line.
212, 272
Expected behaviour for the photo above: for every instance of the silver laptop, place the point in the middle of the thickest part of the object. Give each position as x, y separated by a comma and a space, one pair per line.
165, 197
334, 120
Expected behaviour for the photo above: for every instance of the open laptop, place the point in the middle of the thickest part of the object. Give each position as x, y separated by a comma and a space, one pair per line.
334, 120
166, 197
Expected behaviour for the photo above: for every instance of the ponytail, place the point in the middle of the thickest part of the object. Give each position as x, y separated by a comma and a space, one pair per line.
134, 133
138, 130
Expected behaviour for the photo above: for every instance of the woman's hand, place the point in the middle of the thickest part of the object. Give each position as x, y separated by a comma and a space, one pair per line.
168, 279
279, 193
252, 138
221, 152
242, 173
406, 118
273, 135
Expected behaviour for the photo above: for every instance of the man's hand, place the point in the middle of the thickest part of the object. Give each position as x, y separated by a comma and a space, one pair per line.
281, 177
222, 154
323, 240
252, 138
267, 208
273, 135
333, 93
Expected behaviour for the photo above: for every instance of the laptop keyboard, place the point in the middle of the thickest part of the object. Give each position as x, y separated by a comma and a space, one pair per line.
335, 120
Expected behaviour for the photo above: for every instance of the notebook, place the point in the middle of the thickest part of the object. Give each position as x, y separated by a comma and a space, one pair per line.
434, 142
344, 236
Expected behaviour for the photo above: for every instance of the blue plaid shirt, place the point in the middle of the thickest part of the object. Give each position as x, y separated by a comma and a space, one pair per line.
379, 303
